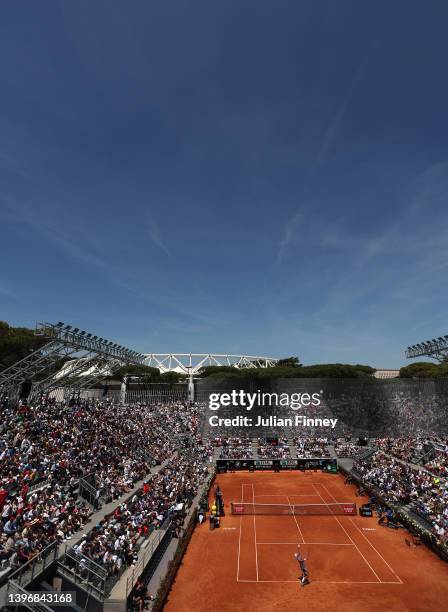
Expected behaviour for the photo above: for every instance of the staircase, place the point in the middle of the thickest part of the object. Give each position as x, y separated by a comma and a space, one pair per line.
369, 452
411, 509
84, 573
16, 589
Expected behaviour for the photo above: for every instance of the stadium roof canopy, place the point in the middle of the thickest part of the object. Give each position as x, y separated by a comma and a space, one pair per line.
191, 363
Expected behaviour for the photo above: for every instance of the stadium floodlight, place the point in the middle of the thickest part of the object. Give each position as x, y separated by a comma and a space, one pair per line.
437, 348
62, 342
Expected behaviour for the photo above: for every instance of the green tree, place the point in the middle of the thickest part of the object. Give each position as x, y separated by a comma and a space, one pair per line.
424, 369
16, 343
288, 362
330, 370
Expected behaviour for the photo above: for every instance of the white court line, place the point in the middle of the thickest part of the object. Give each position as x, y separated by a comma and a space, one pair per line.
239, 540
255, 532
292, 495
346, 533
308, 543
377, 552
368, 541
327, 581
298, 526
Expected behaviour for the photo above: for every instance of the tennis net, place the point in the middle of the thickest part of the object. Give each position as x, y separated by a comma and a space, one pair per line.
339, 508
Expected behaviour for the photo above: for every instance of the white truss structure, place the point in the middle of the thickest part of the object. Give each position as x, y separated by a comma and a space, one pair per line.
191, 363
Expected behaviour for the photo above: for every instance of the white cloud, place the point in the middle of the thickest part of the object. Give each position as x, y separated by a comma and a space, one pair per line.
155, 234
289, 232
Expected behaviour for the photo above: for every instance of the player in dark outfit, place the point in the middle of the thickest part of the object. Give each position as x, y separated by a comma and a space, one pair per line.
219, 501
301, 560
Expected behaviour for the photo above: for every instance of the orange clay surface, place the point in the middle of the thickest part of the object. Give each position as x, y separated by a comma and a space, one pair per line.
354, 564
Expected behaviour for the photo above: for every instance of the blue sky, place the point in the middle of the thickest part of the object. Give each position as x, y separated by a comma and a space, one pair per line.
259, 177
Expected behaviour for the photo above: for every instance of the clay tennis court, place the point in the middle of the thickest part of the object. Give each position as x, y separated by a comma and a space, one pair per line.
354, 564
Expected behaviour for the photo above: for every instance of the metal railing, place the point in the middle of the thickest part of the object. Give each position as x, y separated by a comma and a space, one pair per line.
16, 589
149, 550
26, 573
367, 453
157, 395
85, 571
428, 455
87, 488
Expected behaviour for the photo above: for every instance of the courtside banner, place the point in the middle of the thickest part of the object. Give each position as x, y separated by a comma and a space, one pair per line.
236, 465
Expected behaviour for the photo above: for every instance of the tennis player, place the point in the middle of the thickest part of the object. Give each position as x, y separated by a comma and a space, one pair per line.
301, 561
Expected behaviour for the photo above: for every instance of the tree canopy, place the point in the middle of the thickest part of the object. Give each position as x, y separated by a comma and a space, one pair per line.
330, 370
16, 343
288, 362
424, 369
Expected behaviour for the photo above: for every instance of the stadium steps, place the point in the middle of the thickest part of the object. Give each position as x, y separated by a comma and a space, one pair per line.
369, 452
89, 588
346, 463
47, 588
16, 589
331, 451
412, 511
94, 519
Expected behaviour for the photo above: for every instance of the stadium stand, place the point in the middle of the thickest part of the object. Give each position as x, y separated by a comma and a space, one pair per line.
416, 490
110, 485
307, 448
48, 448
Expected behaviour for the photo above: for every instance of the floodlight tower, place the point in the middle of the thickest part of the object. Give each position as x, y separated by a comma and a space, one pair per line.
437, 348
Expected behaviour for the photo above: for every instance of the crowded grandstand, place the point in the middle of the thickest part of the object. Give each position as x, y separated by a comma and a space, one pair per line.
101, 492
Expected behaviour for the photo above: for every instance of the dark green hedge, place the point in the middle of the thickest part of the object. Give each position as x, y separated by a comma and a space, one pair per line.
330, 370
